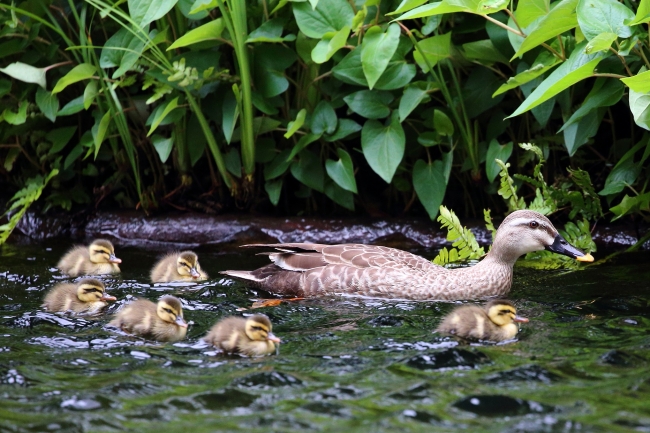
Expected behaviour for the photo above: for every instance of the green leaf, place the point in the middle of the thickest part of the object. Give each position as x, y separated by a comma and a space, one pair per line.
270, 31
626, 170
233, 161
603, 16
377, 50
278, 166
397, 75
47, 103
80, 72
144, 12
295, 125
74, 106
484, 51
577, 134
90, 93
639, 105
323, 119
414, 95
433, 49
430, 185
560, 19
273, 188
342, 171
642, 14
163, 146
437, 8
328, 16
576, 68
26, 73
169, 107
59, 138
605, 93
344, 128
496, 151
229, 114
407, 5
309, 170
640, 82
339, 195
99, 131
329, 45
542, 64
602, 42
17, 118
271, 61
371, 104
442, 123
304, 141
121, 51
631, 205
530, 10
210, 31
383, 146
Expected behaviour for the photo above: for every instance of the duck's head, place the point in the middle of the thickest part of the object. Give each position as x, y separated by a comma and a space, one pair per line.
92, 290
170, 310
525, 231
258, 328
503, 312
187, 265
102, 251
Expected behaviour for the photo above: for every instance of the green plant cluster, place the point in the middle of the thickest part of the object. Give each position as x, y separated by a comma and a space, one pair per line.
366, 102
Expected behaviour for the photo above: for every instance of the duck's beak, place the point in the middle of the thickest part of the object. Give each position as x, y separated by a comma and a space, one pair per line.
519, 319
113, 259
273, 338
181, 322
561, 246
194, 273
106, 297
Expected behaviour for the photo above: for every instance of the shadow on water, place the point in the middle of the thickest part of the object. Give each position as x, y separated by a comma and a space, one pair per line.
581, 364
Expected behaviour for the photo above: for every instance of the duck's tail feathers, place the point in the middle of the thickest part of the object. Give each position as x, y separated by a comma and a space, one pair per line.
243, 275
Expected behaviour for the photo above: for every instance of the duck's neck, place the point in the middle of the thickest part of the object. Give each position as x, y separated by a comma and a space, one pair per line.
491, 277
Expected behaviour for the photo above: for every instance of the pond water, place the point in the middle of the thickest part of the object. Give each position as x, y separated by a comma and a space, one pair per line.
581, 364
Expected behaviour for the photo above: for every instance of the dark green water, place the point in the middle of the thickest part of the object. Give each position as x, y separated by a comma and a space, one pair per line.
346, 364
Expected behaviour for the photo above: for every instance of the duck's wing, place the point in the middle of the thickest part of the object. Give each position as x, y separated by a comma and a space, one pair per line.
304, 256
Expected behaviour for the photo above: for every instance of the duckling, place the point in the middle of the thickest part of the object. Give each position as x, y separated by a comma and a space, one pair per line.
162, 322
96, 259
494, 322
88, 296
249, 336
183, 266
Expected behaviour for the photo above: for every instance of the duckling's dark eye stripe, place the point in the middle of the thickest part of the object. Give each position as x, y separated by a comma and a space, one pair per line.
102, 252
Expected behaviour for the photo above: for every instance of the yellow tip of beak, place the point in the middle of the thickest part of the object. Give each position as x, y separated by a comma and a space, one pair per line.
585, 258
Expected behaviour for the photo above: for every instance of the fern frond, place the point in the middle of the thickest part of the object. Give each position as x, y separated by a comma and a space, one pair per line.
507, 188
463, 240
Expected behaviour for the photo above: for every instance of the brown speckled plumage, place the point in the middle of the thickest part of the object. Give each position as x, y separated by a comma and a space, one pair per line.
162, 321
304, 270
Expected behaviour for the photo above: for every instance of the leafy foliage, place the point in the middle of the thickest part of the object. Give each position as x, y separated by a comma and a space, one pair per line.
464, 244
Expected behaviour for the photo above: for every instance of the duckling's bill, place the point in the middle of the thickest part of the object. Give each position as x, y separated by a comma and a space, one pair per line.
273, 338
519, 319
181, 322
106, 297
113, 259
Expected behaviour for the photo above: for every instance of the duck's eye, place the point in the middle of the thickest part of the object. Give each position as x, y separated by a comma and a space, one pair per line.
533, 224
257, 328
168, 310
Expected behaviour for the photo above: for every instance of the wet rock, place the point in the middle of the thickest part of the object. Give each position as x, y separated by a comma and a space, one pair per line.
225, 400
500, 405
527, 373
421, 416
267, 380
330, 409
450, 358
385, 321
619, 358
420, 393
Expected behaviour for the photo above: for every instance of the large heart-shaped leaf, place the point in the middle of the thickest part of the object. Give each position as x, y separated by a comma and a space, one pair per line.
122, 50
323, 119
328, 16
603, 16
371, 104
383, 146
309, 170
430, 185
339, 195
496, 151
26, 73
47, 103
144, 12
432, 50
377, 50
330, 44
342, 171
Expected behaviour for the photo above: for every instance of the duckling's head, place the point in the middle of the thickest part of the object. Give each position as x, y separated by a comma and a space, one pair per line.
503, 312
92, 290
525, 231
170, 310
187, 264
258, 328
102, 251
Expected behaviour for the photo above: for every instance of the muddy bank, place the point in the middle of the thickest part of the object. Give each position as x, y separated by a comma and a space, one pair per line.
230, 231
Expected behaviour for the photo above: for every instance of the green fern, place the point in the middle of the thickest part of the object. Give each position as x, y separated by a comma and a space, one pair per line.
22, 200
507, 188
489, 224
464, 244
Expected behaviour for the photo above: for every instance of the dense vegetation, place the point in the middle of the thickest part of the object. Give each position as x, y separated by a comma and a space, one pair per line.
327, 105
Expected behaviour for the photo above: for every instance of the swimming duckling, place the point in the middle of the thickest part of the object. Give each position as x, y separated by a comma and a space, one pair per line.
249, 336
88, 296
183, 266
96, 259
494, 322
162, 322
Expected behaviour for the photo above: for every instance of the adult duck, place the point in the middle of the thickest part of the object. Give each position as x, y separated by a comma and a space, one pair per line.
305, 270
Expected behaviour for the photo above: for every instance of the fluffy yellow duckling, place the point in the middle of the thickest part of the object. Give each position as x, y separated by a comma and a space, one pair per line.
95, 259
497, 321
249, 336
183, 266
88, 296
162, 322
